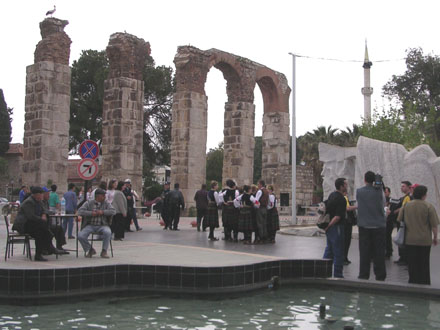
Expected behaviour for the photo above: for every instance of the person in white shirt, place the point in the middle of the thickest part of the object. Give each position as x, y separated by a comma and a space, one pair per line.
230, 213
245, 203
111, 190
261, 213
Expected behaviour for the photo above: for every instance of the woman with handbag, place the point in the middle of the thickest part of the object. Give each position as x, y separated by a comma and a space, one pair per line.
421, 223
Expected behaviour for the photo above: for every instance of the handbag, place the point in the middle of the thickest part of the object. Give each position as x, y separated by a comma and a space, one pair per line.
399, 240
324, 216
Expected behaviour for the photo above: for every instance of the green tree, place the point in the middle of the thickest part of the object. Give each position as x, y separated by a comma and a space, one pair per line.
417, 95
88, 75
349, 136
214, 164
393, 126
87, 94
307, 149
158, 94
5, 125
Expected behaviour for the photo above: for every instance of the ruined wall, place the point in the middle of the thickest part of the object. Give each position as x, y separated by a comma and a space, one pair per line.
47, 108
188, 148
122, 125
239, 142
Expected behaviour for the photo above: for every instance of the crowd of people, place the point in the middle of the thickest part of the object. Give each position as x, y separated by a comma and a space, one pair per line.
105, 210
377, 215
250, 210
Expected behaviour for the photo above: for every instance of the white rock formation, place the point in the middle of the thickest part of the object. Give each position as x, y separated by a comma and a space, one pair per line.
391, 160
338, 162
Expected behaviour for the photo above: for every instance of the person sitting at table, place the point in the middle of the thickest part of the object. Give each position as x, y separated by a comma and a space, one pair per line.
96, 215
56, 228
32, 220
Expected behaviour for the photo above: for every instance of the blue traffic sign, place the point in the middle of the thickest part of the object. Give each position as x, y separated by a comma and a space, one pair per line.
89, 149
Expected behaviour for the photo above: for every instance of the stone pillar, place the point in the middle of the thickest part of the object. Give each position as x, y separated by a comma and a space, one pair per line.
188, 132
122, 124
188, 147
275, 165
47, 108
239, 142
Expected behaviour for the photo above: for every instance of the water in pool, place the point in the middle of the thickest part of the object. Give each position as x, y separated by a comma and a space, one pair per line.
287, 308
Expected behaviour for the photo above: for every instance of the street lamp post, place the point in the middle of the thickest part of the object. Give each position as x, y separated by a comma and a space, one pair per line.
294, 218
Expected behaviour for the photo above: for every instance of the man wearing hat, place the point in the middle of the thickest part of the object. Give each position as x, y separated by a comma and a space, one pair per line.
32, 219
96, 215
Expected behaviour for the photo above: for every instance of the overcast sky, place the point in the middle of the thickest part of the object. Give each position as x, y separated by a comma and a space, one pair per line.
328, 92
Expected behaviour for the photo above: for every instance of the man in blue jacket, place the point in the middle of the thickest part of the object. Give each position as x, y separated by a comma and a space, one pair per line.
372, 226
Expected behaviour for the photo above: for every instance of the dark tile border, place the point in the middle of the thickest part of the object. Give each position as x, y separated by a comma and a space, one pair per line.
24, 283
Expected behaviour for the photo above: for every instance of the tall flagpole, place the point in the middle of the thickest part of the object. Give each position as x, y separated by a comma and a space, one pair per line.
294, 218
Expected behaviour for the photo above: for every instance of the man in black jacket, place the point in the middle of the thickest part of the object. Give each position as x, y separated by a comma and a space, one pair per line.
32, 220
201, 199
174, 200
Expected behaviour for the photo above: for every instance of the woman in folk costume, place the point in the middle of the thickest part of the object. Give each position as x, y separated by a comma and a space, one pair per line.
245, 202
212, 212
273, 220
230, 213
254, 190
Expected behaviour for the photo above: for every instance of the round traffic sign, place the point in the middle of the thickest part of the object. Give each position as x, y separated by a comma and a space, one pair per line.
87, 169
89, 149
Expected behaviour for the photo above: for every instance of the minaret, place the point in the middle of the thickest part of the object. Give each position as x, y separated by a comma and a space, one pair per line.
367, 90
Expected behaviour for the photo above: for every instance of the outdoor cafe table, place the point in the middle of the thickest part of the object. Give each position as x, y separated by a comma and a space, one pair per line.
59, 222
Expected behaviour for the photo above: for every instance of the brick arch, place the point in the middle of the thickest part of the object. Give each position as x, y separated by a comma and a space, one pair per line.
188, 136
240, 77
274, 89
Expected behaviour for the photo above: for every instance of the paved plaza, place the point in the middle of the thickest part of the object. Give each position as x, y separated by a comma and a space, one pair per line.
187, 247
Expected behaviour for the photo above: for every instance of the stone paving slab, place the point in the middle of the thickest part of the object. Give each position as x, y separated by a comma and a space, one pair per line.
187, 247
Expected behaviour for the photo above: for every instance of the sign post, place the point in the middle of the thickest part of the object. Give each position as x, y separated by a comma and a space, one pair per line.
87, 168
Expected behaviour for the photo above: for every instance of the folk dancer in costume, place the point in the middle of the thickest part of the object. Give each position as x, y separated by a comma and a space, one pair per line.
230, 213
245, 203
254, 190
261, 212
273, 220
212, 211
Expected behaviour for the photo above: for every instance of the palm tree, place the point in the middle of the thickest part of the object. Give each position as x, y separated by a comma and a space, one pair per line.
308, 144
349, 137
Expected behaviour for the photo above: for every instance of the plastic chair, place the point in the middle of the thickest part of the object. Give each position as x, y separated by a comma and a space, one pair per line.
12, 238
99, 239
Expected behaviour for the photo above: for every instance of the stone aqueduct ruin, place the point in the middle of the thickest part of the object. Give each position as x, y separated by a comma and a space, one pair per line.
190, 119
47, 107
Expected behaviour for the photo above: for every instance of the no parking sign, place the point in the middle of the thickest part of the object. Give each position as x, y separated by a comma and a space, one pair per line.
89, 149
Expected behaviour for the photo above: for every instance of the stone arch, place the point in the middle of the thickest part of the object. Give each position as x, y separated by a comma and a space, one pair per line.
188, 145
276, 138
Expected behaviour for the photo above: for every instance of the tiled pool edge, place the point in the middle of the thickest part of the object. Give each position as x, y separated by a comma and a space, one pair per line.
22, 285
